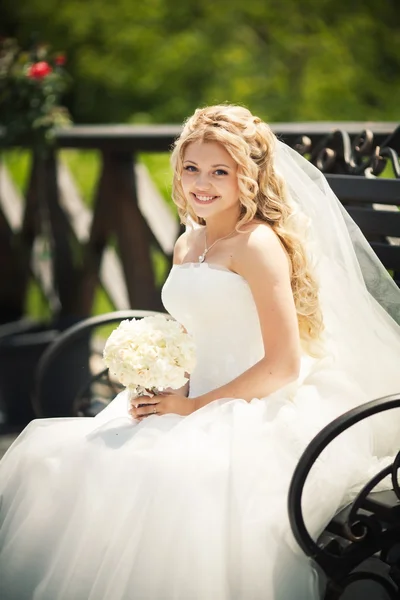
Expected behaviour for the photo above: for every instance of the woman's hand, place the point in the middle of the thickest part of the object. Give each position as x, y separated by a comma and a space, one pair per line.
162, 403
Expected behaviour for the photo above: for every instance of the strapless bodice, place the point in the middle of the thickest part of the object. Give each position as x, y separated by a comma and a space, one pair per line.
216, 306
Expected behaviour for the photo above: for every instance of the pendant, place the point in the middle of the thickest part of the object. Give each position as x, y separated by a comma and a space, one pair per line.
202, 257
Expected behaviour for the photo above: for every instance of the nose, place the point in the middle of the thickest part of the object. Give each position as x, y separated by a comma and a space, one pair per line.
202, 181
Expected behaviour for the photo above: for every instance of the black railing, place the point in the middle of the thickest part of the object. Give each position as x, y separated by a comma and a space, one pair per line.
351, 155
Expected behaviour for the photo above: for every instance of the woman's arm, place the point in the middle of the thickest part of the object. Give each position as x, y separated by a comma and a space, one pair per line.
182, 391
263, 262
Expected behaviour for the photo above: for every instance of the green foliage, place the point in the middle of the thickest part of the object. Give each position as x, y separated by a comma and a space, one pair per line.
102, 303
31, 85
156, 61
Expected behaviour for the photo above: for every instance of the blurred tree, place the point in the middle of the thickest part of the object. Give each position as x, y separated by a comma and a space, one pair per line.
155, 61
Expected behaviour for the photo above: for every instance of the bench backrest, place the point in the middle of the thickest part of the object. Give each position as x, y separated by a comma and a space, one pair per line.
354, 166
374, 206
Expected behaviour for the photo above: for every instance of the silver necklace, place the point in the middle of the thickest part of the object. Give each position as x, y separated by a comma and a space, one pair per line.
206, 250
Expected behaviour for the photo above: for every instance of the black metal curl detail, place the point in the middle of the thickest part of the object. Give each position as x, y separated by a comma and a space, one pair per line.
361, 527
353, 517
363, 144
312, 452
378, 162
303, 145
334, 153
393, 158
395, 475
337, 153
326, 159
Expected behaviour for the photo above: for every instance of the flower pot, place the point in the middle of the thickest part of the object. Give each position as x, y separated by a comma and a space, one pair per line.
22, 344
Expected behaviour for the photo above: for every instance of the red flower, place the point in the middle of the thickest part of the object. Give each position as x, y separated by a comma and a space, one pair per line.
60, 60
39, 70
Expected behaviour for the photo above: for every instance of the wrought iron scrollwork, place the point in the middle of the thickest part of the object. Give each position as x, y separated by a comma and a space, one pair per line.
365, 531
354, 517
338, 153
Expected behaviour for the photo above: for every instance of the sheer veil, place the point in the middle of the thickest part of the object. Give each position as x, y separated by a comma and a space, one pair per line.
359, 299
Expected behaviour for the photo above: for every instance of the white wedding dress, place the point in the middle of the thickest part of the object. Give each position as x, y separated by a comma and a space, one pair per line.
182, 508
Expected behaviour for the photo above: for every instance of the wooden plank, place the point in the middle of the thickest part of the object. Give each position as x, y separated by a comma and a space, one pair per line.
133, 234
23, 218
10, 200
355, 188
376, 222
389, 255
162, 222
80, 217
64, 245
101, 227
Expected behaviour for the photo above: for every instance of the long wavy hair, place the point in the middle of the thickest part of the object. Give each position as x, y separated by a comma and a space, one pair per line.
263, 197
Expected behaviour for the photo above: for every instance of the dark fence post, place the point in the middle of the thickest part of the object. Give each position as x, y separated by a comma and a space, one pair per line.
133, 235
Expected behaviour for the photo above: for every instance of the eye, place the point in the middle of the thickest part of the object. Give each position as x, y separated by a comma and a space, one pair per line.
220, 172
190, 168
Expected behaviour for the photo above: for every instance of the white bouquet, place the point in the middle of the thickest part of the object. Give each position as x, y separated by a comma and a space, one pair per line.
152, 353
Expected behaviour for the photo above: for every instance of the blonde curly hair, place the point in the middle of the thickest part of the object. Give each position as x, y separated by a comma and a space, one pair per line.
263, 197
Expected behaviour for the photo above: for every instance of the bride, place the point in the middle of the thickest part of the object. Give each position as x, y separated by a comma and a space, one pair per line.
184, 496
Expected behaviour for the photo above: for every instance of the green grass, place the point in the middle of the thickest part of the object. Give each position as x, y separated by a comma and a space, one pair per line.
161, 173
387, 172
36, 305
18, 163
84, 166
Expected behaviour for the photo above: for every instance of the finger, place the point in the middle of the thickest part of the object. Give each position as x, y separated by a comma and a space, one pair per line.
144, 411
132, 412
144, 400
138, 417
135, 411
138, 402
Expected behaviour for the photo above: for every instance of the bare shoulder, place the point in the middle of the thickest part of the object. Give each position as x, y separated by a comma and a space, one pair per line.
183, 243
260, 249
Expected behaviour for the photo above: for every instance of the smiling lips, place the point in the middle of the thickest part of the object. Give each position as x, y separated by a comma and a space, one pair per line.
202, 199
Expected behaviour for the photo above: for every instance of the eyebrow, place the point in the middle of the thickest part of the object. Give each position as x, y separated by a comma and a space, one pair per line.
218, 165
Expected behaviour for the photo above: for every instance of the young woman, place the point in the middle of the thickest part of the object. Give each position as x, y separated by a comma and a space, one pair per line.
187, 500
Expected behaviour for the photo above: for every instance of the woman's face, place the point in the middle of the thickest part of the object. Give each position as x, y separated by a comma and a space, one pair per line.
209, 180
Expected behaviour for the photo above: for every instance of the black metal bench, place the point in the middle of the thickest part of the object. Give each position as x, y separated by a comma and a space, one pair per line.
75, 358
359, 551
